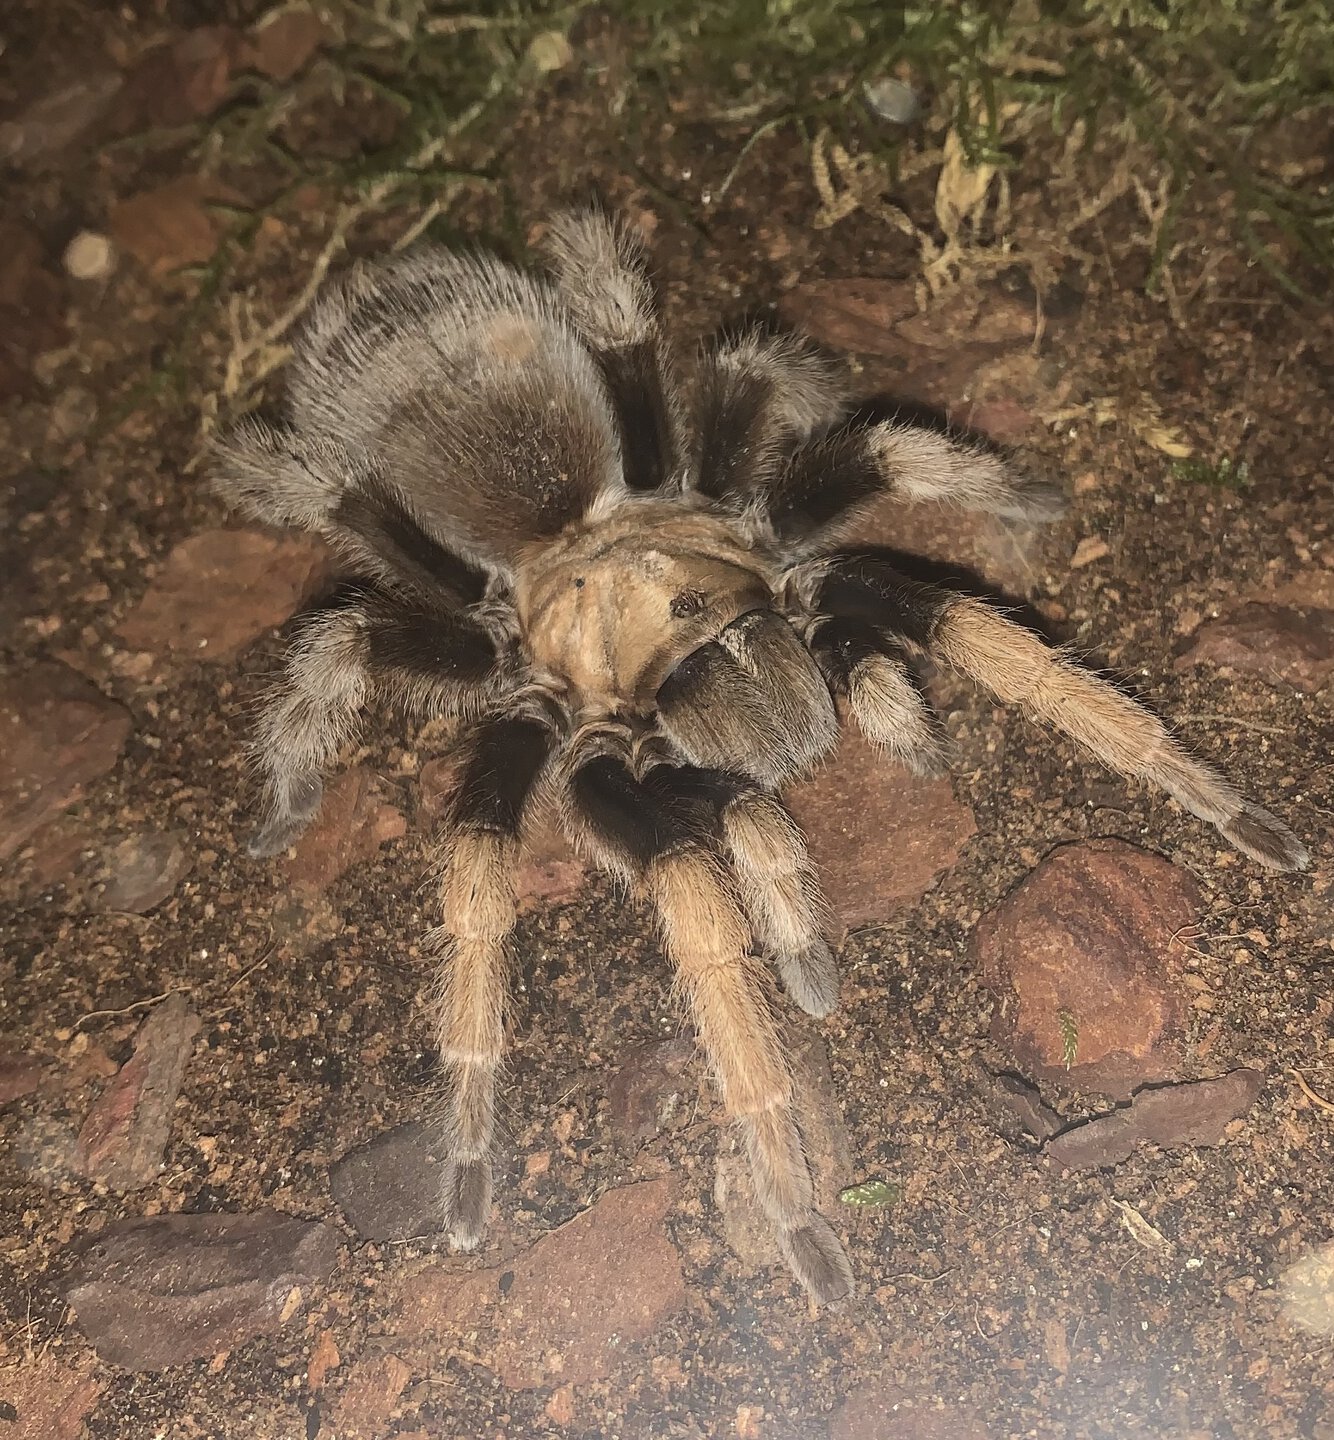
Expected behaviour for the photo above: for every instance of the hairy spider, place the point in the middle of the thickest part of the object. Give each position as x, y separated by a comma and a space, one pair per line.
633, 595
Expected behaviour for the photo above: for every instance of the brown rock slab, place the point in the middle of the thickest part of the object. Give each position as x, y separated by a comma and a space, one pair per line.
649, 1090
282, 46
564, 1312
1192, 1113
1019, 1101
366, 1402
183, 79
879, 835
58, 732
221, 589
20, 1074
155, 1293
47, 1398
605, 1280
355, 820
828, 1152
1083, 951
856, 315
125, 1136
33, 139
141, 871
888, 1413
548, 873
1275, 642
389, 1188
171, 225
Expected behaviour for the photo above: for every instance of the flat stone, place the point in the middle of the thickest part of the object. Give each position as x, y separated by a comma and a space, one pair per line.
34, 139
371, 1390
58, 733
20, 1074
48, 1398
859, 316
886, 1412
124, 1138
1020, 1101
355, 820
1279, 643
140, 872
183, 79
169, 226
1192, 1113
1081, 957
281, 47
151, 1294
879, 835
565, 1311
221, 589
389, 1188
649, 1091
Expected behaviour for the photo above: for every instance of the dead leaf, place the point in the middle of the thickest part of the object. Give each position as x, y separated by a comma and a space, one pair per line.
1141, 1230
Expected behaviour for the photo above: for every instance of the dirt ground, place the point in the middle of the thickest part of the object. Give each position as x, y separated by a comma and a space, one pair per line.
1184, 1291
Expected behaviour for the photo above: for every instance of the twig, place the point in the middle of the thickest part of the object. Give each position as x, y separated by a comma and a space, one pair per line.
138, 1005
1318, 1100
1235, 720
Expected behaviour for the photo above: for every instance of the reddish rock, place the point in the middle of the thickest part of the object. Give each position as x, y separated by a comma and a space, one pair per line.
31, 308
170, 226
20, 1075
879, 835
1196, 1113
366, 1402
221, 589
354, 821
888, 1413
47, 1398
568, 1308
282, 46
649, 1090
1276, 642
125, 1136
1082, 955
858, 316
33, 139
58, 733
548, 873
605, 1280
141, 871
151, 1294
182, 80
389, 1188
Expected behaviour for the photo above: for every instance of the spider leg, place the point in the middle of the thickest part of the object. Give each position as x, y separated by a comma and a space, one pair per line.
422, 655
604, 282
629, 828
756, 396
776, 882
828, 478
869, 668
1020, 669
751, 701
505, 760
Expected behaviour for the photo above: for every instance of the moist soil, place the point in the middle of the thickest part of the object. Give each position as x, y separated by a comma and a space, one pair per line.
997, 1295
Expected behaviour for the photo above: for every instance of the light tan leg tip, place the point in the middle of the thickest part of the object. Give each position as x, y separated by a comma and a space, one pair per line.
812, 980
467, 1202
816, 1257
1266, 839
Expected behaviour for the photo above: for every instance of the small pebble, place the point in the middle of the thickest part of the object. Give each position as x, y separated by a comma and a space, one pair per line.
90, 256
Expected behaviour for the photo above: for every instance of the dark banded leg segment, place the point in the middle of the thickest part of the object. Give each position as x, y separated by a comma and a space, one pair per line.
346, 653
605, 286
890, 711
632, 829
776, 882
476, 875
1019, 669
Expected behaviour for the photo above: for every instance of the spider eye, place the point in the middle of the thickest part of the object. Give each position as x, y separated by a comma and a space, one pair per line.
579, 582
688, 602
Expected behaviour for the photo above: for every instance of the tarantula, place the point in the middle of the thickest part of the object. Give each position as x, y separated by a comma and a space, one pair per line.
632, 593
